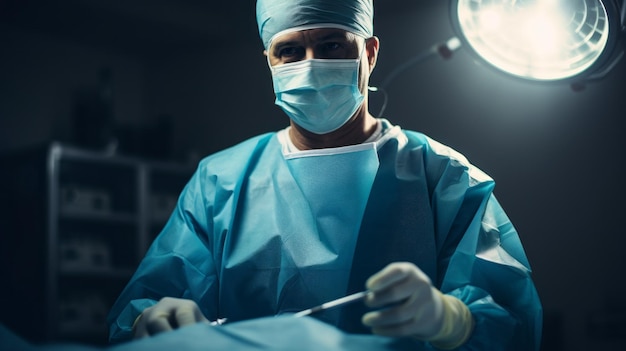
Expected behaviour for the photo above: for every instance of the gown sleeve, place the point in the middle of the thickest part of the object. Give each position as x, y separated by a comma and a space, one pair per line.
481, 257
490, 274
179, 263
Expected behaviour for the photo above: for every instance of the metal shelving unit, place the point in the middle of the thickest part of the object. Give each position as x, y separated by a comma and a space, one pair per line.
96, 215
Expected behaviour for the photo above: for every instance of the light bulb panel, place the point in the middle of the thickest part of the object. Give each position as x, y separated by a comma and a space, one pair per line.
541, 40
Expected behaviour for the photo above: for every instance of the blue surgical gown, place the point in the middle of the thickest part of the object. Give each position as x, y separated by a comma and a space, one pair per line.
245, 241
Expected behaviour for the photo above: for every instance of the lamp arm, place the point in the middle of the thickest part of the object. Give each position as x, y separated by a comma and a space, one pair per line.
623, 16
444, 50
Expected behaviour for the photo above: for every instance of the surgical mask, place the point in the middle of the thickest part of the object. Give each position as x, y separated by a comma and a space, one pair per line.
320, 95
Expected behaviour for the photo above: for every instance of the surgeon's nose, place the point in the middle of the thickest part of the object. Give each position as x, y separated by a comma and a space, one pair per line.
309, 54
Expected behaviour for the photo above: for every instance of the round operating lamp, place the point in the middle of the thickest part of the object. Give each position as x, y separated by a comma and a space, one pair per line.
543, 40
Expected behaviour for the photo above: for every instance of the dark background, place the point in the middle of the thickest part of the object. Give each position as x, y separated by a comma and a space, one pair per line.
189, 78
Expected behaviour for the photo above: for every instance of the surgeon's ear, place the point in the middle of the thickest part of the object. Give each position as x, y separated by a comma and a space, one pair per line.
371, 47
265, 53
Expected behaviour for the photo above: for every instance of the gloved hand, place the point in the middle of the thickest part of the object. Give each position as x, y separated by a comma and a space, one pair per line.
412, 306
168, 314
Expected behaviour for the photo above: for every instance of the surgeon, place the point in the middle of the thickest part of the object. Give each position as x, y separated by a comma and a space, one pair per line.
337, 202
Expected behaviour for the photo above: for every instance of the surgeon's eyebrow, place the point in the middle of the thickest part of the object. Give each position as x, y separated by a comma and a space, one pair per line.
335, 35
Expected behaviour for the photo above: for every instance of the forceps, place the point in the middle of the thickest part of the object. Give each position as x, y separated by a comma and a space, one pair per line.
334, 303
325, 306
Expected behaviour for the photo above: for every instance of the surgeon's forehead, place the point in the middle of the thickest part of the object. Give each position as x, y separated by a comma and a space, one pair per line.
315, 34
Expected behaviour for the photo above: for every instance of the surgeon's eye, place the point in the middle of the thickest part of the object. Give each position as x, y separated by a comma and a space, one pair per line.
289, 53
334, 50
332, 46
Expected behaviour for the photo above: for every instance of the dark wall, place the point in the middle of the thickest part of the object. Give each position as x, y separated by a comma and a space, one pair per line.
556, 154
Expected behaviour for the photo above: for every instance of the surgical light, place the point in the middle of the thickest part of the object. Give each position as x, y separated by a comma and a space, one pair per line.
543, 40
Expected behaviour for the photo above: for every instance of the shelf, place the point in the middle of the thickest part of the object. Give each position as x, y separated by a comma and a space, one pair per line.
113, 273
117, 218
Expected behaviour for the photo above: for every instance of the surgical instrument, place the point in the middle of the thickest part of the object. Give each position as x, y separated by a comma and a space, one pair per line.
334, 303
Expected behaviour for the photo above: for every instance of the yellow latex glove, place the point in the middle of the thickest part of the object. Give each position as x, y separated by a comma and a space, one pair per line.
412, 306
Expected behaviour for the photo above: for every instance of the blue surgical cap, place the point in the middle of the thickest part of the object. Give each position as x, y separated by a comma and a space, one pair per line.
276, 16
